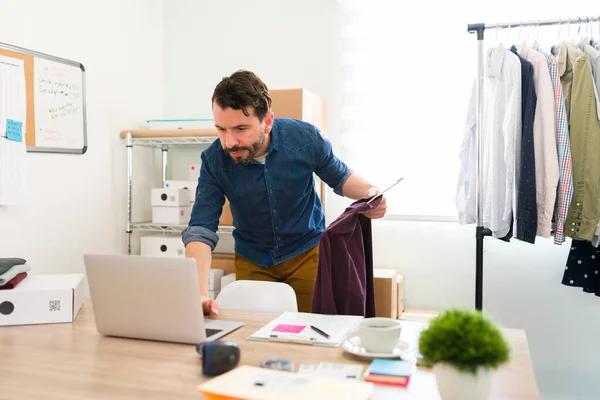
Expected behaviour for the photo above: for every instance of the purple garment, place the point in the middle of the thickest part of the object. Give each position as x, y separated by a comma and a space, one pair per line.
344, 283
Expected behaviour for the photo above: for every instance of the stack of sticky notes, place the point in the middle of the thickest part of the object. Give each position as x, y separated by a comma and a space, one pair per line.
390, 372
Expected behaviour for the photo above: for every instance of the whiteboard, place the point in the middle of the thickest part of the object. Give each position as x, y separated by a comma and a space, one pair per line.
55, 119
58, 105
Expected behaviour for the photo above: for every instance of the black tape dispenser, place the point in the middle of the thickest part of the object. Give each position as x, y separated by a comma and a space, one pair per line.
218, 357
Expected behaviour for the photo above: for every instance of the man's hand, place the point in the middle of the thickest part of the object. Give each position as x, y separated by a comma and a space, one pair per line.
210, 306
378, 212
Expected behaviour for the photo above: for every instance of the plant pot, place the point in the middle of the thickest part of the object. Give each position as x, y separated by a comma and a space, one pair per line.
458, 385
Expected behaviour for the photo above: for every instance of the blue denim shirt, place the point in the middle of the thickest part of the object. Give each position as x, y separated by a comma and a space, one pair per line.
276, 211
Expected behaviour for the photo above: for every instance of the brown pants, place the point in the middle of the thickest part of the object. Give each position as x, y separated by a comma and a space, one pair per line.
299, 272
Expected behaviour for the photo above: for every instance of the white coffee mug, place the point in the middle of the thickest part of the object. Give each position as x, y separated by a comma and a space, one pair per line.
379, 335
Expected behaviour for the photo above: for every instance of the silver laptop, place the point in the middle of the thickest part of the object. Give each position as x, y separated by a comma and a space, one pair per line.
152, 298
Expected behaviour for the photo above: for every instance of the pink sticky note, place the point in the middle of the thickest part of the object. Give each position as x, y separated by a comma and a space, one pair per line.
289, 328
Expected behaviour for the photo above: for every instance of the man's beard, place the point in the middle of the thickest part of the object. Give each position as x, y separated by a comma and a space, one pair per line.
251, 150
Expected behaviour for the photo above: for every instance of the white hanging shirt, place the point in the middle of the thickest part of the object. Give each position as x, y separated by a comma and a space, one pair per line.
500, 141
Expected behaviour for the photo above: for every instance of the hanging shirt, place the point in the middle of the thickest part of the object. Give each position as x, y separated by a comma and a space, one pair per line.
565, 178
526, 219
577, 84
502, 127
593, 56
544, 133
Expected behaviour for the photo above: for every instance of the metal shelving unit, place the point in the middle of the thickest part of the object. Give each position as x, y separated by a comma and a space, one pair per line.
168, 140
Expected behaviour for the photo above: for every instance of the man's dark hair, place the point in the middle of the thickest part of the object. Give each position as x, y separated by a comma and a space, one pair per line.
243, 89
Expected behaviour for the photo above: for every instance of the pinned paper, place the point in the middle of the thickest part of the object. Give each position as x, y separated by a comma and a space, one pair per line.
14, 130
289, 328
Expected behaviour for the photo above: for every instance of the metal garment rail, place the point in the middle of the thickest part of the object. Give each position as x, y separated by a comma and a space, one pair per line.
480, 231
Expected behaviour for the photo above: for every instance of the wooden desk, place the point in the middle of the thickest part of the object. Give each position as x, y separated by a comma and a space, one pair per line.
72, 361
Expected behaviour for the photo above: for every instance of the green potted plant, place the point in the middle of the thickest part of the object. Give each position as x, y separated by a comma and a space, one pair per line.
464, 347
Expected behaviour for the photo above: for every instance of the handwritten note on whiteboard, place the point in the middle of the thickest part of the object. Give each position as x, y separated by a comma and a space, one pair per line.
13, 109
58, 90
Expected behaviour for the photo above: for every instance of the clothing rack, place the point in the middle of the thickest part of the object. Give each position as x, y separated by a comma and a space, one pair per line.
479, 29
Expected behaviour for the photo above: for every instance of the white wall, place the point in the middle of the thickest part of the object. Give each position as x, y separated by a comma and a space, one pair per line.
293, 44
77, 202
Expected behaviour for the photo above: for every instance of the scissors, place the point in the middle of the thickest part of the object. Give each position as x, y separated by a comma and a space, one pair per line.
391, 186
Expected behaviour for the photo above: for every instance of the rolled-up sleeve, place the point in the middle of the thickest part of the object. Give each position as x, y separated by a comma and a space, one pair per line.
329, 168
208, 206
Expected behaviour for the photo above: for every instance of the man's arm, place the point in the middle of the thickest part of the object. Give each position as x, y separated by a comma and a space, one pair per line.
200, 236
357, 188
202, 253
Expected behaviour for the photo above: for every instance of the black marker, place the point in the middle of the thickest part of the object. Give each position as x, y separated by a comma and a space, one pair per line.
314, 328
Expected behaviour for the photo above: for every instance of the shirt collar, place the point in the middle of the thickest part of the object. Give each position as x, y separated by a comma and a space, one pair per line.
495, 60
523, 50
274, 136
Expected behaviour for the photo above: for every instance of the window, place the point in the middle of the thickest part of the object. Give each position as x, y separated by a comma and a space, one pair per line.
406, 74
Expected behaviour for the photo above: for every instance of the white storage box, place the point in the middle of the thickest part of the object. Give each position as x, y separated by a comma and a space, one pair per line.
162, 124
171, 197
227, 279
190, 185
194, 172
162, 246
171, 215
214, 280
42, 299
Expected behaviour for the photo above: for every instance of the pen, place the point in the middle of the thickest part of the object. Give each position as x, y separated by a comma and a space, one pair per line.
314, 328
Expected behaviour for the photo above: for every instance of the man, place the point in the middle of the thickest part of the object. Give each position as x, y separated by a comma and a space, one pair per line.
265, 167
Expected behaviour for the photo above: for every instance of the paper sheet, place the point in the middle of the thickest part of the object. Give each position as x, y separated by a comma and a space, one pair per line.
336, 326
13, 111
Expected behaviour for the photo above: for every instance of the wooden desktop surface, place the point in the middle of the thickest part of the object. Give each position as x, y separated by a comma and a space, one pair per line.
72, 361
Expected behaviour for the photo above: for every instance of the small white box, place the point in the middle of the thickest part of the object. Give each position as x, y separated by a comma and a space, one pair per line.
170, 197
190, 185
194, 172
171, 215
43, 299
227, 279
214, 280
155, 124
162, 246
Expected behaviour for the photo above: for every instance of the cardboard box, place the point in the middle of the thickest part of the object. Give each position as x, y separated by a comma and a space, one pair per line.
171, 197
226, 217
227, 279
162, 246
190, 185
386, 293
400, 279
171, 215
300, 104
194, 172
226, 262
43, 299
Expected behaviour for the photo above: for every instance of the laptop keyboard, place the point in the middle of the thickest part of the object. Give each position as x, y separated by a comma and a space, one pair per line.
210, 332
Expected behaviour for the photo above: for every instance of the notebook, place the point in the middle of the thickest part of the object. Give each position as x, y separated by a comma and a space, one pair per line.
390, 372
295, 327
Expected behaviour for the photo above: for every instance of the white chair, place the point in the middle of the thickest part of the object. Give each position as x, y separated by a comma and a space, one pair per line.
257, 296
